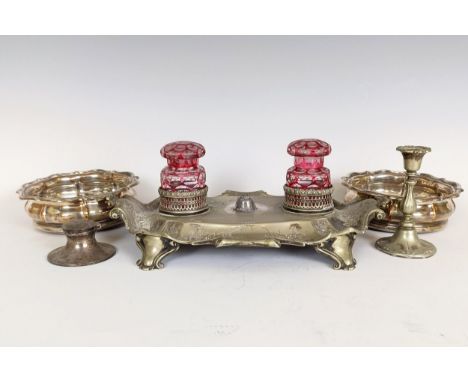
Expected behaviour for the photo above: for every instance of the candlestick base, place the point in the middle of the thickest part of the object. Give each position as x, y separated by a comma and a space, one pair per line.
407, 244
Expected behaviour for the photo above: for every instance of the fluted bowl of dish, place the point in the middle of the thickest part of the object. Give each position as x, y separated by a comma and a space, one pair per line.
434, 198
59, 198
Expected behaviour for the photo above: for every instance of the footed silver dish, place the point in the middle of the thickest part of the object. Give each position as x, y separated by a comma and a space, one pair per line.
60, 198
434, 198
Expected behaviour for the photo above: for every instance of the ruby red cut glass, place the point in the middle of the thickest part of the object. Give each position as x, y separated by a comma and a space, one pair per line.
183, 171
308, 171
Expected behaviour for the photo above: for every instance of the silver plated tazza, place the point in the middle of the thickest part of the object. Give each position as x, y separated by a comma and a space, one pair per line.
60, 198
434, 198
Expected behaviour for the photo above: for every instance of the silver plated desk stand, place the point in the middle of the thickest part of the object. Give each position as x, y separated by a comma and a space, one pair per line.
253, 219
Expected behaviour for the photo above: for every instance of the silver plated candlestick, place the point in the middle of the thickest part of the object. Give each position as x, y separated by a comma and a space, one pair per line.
405, 241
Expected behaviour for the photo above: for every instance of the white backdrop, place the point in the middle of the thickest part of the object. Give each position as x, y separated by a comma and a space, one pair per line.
112, 102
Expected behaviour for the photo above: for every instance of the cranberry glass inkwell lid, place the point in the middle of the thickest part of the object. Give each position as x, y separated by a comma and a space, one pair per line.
183, 171
183, 189
308, 185
308, 171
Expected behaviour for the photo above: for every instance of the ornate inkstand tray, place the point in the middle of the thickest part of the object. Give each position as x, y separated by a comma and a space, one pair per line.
305, 216
263, 223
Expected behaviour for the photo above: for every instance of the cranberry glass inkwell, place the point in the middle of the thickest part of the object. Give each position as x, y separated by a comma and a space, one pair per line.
308, 186
183, 190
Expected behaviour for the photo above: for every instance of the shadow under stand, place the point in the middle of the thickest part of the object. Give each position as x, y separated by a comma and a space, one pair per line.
267, 225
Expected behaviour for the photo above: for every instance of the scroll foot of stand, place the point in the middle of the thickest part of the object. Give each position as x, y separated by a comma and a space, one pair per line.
154, 249
340, 250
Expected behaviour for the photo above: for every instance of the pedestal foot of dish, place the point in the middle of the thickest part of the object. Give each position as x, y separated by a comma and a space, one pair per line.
82, 247
268, 225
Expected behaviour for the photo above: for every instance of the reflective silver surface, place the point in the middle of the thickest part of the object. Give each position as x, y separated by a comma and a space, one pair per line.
434, 198
245, 203
59, 198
